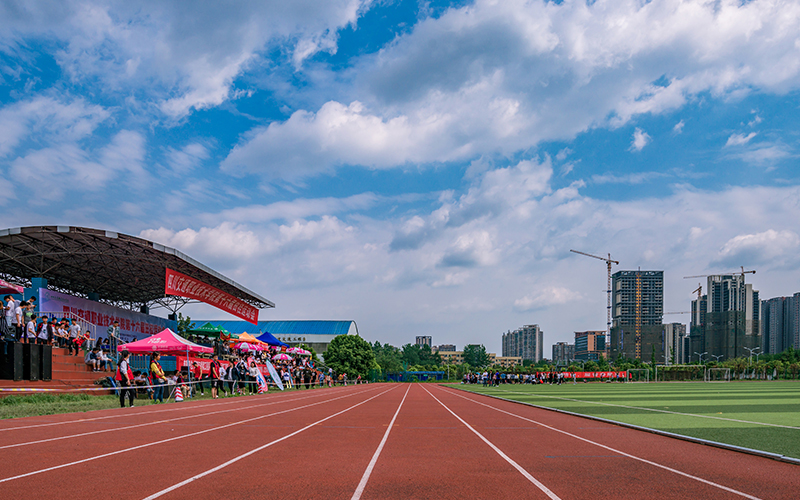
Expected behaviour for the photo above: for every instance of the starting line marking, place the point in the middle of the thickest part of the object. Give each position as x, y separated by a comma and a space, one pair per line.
644, 460
647, 409
146, 445
251, 452
508, 459
363, 483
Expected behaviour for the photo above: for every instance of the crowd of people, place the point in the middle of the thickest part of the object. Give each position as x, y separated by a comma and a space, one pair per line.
494, 379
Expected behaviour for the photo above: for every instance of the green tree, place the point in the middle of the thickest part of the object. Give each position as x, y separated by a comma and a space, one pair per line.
185, 324
352, 355
411, 354
388, 357
475, 355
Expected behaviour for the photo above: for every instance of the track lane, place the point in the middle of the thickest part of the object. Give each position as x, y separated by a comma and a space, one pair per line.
124, 422
326, 460
175, 448
430, 454
44, 421
625, 461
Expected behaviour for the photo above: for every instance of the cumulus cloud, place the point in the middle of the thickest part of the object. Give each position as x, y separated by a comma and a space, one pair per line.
759, 248
187, 55
640, 140
499, 77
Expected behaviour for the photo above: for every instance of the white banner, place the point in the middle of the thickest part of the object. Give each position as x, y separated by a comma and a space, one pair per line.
132, 325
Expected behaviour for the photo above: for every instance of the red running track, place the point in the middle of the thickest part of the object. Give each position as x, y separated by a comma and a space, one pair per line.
338, 443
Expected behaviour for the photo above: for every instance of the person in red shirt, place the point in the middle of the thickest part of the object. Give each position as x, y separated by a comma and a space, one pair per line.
197, 373
215, 378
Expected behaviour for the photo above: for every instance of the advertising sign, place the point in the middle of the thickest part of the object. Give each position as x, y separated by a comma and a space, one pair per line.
132, 325
186, 286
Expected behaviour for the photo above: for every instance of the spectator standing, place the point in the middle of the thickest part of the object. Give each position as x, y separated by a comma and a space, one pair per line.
125, 378
74, 332
197, 372
30, 330
113, 335
43, 332
19, 322
8, 315
215, 377
157, 373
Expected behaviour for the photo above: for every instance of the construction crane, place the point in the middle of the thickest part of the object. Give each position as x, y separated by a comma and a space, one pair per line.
678, 312
742, 272
608, 262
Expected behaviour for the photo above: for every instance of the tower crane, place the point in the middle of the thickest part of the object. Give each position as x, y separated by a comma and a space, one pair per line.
742, 272
608, 262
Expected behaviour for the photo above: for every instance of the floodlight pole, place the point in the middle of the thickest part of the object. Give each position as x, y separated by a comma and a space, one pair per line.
750, 361
716, 357
700, 356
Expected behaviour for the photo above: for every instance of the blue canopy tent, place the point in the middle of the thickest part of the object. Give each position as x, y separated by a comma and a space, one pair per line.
269, 339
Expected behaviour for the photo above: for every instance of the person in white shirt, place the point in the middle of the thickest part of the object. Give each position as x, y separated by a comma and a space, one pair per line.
74, 332
18, 322
8, 312
30, 331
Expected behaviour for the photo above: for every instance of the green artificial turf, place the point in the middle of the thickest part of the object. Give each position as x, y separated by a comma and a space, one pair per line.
740, 410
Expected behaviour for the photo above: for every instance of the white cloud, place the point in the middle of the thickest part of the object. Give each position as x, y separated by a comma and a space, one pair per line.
739, 139
49, 119
546, 297
640, 140
678, 128
759, 248
764, 153
186, 55
503, 76
184, 160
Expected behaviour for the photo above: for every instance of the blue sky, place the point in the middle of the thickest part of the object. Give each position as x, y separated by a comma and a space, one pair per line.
420, 167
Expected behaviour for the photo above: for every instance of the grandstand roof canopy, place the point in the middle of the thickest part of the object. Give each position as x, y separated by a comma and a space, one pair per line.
122, 270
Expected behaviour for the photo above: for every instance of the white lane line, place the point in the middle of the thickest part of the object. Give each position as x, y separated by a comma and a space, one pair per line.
508, 459
102, 431
147, 445
643, 460
647, 409
251, 452
363, 483
119, 414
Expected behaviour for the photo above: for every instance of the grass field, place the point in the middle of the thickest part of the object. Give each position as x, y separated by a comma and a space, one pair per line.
760, 415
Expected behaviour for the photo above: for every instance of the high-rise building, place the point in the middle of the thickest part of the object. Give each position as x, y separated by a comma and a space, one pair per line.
525, 342
446, 348
674, 352
727, 320
590, 345
637, 308
563, 353
780, 325
424, 340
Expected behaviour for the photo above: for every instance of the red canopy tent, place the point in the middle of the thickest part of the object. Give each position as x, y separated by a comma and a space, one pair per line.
6, 287
166, 341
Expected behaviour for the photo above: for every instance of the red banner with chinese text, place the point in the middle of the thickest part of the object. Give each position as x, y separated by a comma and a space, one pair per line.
186, 286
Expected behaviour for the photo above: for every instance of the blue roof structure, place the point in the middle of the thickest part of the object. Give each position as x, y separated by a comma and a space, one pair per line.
294, 327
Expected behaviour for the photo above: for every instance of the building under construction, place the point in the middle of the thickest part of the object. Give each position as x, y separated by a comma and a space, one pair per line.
726, 321
637, 305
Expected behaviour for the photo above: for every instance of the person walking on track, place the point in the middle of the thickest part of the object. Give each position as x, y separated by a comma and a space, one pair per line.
125, 378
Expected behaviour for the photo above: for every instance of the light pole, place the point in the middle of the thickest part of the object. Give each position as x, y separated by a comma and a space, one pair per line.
700, 356
716, 357
754, 349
